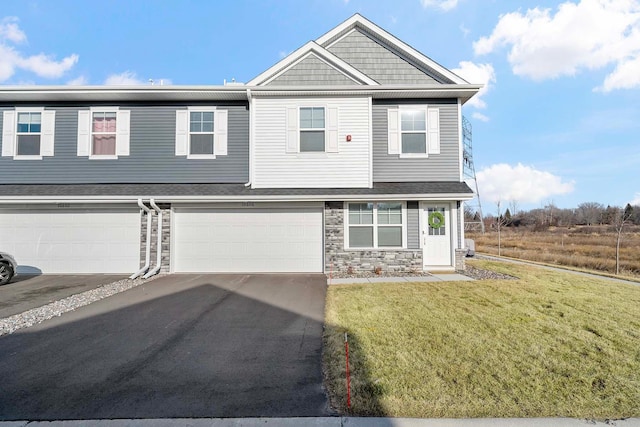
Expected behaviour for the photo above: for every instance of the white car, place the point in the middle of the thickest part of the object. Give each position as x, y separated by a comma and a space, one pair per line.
8, 267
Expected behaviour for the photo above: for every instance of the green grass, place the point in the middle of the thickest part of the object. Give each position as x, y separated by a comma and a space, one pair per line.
548, 344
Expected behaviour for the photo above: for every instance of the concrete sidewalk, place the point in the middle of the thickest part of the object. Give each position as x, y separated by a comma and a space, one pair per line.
443, 277
331, 422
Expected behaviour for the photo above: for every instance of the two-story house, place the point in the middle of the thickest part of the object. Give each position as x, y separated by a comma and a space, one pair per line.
344, 156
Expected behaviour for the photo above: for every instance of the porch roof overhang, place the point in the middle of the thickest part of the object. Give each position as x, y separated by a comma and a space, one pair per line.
203, 193
10, 95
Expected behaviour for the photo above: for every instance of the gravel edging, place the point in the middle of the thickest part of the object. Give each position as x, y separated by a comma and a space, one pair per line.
481, 274
9, 325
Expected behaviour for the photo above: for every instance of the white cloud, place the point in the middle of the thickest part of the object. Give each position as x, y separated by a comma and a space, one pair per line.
525, 184
78, 81
477, 74
10, 31
127, 78
42, 65
480, 116
636, 200
588, 35
444, 5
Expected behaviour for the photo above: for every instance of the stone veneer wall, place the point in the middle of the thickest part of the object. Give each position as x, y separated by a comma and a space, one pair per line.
461, 255
338, 259
166, 238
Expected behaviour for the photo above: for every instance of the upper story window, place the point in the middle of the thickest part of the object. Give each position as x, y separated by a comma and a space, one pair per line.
28, 133
312, 129
201, 132
413, 128
103, 133
414, 131
375, 225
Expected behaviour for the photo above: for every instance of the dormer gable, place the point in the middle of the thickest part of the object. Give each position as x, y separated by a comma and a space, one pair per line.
311, 65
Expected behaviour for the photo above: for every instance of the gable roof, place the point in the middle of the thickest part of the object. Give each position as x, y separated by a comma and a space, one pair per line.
413, 56
303, 52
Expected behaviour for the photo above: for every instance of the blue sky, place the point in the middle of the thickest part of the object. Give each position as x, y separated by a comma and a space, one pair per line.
559, 119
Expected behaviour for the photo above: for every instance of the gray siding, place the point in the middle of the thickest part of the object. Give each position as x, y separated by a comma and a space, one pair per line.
437, 167
152, 156
377, 61
311, 71
413, 225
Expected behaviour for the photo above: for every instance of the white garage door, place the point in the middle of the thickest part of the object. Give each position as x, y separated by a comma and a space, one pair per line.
248, 240
72, 240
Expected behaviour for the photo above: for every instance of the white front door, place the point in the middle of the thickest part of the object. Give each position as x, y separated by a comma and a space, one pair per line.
436, 232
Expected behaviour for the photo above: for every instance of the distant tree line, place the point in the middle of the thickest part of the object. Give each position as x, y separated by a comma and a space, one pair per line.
588, 213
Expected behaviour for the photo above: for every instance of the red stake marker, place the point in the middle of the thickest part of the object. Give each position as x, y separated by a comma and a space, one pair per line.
346, 350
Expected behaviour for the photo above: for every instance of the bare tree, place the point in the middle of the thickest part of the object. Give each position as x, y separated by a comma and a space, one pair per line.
500, 222
622, 217
590, 212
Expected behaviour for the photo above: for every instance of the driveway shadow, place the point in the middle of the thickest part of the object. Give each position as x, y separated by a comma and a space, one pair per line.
170, 350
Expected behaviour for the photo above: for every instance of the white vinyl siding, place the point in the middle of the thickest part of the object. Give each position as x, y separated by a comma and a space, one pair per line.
68, 240
243, 240
277, 162
195, 129
28, 133
89, 135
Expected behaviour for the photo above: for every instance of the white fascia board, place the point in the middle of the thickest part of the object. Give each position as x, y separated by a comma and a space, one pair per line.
301, 53
359, 20
208, 199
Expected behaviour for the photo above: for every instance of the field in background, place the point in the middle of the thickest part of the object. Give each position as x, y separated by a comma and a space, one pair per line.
592, 248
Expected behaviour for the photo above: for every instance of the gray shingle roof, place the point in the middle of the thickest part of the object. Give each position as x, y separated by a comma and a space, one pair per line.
221, 190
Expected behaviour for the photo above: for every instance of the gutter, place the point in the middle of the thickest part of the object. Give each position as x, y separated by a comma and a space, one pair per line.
156, 269
147, 254
251, 122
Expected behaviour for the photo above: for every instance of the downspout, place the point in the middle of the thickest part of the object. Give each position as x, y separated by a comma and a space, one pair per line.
156, 269
250, 99
147, 254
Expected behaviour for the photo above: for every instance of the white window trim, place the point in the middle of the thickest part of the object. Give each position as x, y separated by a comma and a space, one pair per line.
345, 209
16, 156
205, 109
102, 156
424, 109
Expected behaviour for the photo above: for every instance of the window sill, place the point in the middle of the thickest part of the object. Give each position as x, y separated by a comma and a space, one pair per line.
414, 156
201, 156
34, 157
384, 248
103, 157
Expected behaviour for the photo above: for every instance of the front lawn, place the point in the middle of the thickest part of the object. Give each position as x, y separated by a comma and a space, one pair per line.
548, 344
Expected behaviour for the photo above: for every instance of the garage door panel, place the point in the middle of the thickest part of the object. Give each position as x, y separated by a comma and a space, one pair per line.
72, 241
248, 240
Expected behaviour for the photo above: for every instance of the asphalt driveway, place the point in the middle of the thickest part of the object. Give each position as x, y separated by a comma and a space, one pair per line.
180, 346
25, 292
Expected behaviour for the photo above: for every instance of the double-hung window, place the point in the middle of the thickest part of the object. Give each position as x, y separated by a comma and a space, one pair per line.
375, 225
201, 132
28, 133
103, 133
414, 131
312, 129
